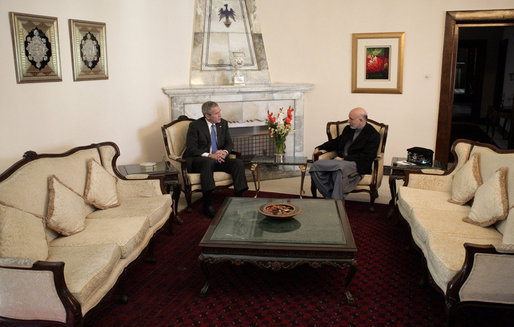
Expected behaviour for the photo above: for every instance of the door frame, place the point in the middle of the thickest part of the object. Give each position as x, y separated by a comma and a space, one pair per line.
454, 21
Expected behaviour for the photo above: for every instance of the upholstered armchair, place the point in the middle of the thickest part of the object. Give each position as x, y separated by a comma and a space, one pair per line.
174, 135
369, 183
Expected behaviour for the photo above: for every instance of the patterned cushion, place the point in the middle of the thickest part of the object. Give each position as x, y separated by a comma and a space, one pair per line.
491, 202
67, 210
22, 235
101, 190
466, 181
153, 208
87, 268
128, 233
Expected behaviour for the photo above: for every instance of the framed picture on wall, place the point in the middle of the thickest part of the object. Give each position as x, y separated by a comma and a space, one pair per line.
36, 48
377, 62
88, 50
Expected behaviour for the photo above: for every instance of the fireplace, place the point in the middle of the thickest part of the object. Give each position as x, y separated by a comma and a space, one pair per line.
252, 141
245, 108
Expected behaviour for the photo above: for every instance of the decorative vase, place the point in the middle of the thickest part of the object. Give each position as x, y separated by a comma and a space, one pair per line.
280, 143
238, 61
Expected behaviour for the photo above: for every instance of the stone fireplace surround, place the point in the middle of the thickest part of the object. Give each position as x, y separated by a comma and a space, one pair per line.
245, 106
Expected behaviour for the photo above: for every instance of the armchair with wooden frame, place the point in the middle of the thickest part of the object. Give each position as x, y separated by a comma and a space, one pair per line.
369, 183
175, 134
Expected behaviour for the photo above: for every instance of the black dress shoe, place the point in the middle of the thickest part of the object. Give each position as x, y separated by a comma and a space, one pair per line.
209, 211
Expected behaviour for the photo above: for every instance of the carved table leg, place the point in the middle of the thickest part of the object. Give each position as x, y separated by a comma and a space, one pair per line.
203, 266
351, 272
256, 182
303, 168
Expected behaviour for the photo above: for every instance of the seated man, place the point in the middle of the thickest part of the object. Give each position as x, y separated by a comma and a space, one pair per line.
356, 148
208, 144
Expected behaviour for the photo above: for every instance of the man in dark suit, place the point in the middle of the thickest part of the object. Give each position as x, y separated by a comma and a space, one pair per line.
356, 148
205, 157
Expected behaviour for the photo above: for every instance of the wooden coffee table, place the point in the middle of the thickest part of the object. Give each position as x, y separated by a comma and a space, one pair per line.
319, 235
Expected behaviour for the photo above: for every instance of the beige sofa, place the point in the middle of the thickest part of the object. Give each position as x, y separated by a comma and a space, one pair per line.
463, 223
70, 225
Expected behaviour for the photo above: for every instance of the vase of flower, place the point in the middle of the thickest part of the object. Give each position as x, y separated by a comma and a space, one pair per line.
279, 127
280, 144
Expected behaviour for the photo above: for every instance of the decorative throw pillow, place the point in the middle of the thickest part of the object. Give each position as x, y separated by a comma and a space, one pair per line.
466, 181
101, 190
67, 210
22, 235
491, 201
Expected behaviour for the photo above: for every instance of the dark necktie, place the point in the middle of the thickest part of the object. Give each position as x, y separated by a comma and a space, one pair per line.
213, 138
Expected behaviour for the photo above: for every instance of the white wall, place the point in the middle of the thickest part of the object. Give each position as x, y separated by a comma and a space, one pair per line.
149, 47
310, 41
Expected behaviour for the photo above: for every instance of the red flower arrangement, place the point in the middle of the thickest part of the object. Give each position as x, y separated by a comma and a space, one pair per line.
279, 126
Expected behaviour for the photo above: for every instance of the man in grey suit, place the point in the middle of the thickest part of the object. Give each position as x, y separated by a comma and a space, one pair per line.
208, 144
356, 148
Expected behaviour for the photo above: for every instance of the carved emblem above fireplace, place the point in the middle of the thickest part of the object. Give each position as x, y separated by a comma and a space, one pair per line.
244, 106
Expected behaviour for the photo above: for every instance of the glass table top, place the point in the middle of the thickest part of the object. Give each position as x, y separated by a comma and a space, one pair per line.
320, 222
159, 168
285, 160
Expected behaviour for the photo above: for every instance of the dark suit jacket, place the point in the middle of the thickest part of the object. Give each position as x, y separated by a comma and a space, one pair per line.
363, 150
199, 138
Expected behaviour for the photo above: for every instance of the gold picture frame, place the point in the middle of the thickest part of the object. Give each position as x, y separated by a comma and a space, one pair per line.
36, 48
377, 62
88, 50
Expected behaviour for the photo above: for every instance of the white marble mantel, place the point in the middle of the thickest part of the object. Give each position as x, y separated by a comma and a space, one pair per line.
245, 105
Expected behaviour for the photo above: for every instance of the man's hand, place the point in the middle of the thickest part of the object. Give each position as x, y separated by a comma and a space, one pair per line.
219, 155
338, 158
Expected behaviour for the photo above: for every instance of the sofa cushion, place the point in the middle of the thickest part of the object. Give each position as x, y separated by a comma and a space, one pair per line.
410, 198
22, 234
445, 255
153, 208
128, 234
466, 181
101, 190
491, 203
426, 221
67, 210
86, 268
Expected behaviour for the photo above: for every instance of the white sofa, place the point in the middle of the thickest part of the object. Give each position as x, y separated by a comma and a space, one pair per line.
469, 262
70, 225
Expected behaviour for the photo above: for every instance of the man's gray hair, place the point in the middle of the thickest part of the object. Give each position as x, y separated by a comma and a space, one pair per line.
207, 107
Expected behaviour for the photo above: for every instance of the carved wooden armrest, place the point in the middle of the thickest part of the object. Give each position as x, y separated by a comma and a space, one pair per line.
36, 292
323, 154
486, 276
234, 154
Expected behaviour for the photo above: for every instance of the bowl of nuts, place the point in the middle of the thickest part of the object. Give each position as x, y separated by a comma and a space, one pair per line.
279, 210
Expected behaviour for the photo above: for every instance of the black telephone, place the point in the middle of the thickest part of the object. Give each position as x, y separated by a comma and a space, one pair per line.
420, 156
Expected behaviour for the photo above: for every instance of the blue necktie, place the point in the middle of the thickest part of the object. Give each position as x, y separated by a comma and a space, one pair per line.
213, 138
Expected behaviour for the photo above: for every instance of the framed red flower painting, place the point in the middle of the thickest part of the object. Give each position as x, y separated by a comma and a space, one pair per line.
377, 62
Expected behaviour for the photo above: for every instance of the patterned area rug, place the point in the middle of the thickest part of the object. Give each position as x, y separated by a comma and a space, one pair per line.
385, 286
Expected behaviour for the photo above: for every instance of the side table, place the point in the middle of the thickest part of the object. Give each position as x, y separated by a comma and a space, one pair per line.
398, 172
285, 161
163, 170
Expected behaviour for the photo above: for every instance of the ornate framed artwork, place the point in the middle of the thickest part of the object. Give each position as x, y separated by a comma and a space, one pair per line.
377, 62
36, 48
88, 50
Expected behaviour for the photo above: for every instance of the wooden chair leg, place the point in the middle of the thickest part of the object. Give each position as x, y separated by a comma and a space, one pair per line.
373, 195
188, 200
